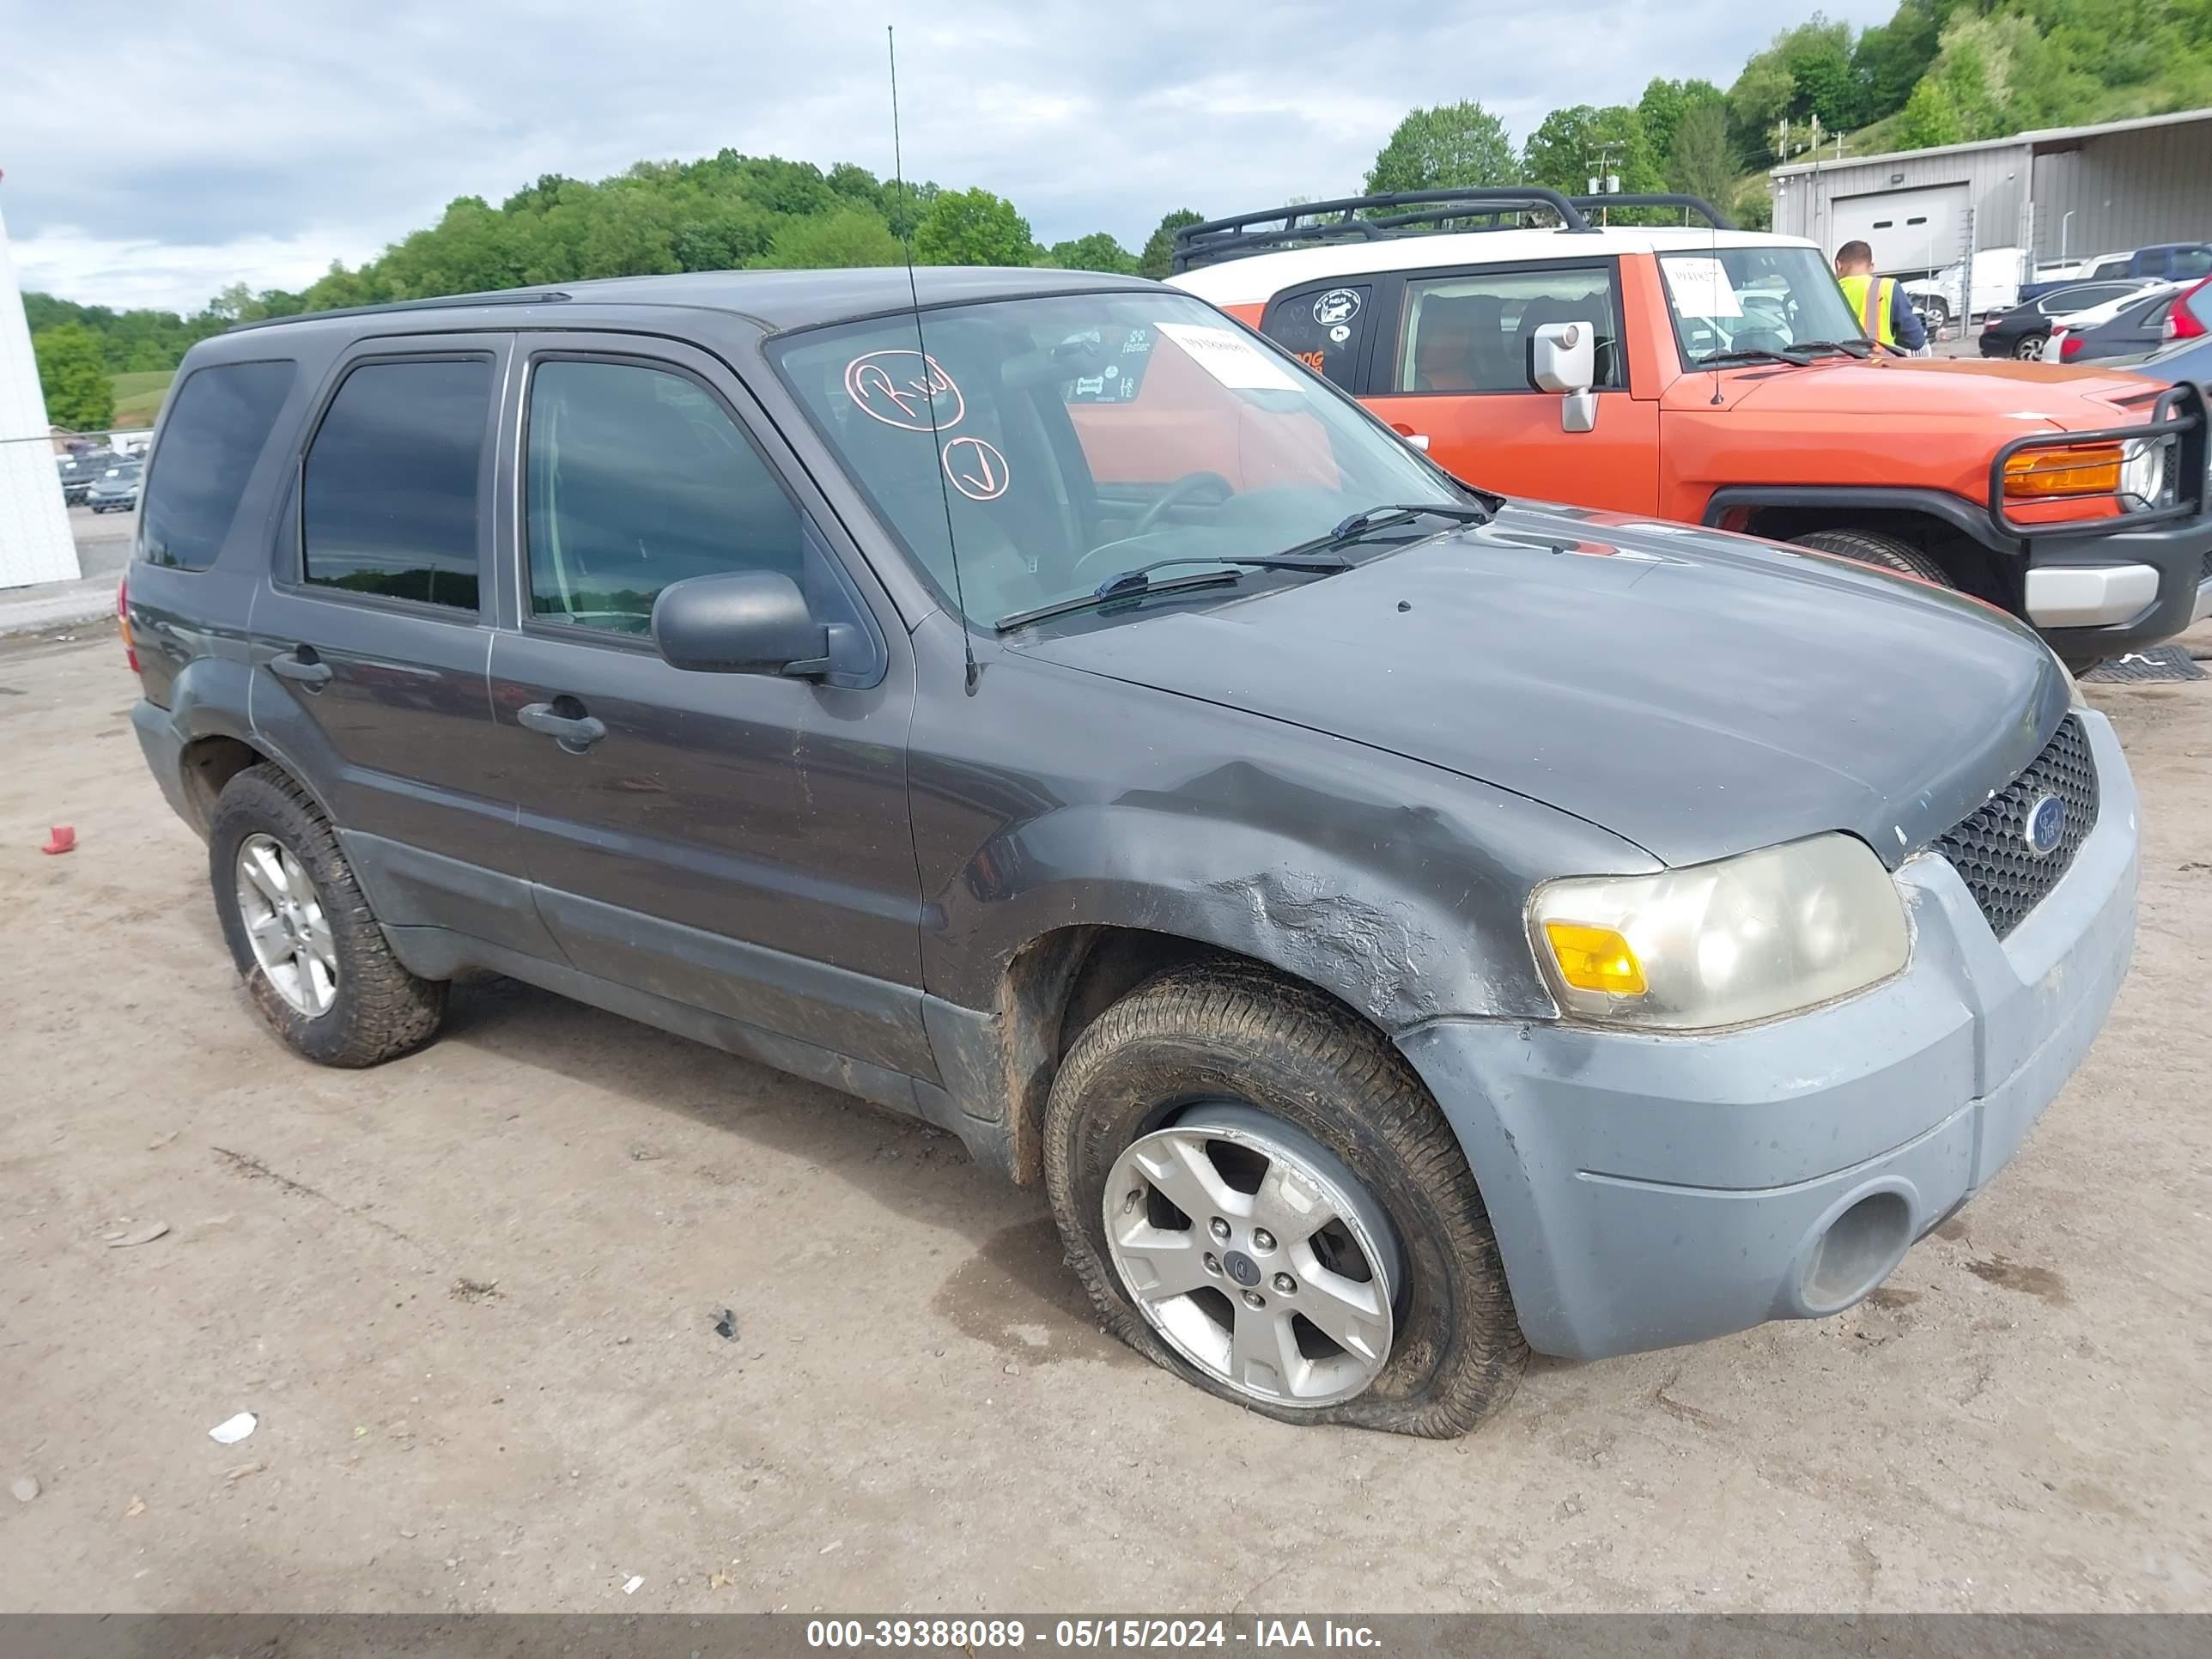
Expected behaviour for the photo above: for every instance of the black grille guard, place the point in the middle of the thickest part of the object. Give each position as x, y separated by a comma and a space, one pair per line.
2178, 417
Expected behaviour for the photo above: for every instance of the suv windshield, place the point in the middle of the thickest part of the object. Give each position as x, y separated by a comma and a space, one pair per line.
1752, 299
1079, 436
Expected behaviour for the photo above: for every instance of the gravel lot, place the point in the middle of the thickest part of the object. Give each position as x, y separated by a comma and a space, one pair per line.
473, 1299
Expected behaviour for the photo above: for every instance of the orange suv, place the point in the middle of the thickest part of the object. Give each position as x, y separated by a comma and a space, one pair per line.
1716, 376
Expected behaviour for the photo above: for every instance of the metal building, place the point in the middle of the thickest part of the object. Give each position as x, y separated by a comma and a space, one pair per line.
35, 542
2065, 194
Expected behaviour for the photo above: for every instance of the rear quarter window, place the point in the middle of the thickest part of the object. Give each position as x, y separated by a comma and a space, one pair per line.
1324, 329
217, 426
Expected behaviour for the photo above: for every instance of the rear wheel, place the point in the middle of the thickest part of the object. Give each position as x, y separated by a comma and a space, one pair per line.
1261, 1196
1884, 552
2029, 348
316, 963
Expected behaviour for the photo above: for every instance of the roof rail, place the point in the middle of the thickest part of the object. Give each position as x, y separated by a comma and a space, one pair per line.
508, 297
1713, 215
1236, 238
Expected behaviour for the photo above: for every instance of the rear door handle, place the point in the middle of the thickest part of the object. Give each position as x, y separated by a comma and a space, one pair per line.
575, 732
301, 665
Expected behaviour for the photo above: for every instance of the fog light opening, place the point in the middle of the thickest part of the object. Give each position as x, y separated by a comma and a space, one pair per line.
1857, 1252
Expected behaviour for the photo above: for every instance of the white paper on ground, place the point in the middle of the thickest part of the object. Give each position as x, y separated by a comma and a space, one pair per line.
235, 1430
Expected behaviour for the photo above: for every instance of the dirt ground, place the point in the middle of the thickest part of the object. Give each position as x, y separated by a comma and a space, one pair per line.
473, 1299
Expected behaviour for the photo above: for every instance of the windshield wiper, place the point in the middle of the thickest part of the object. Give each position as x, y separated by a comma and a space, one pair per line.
1752, 354
1860, 349
1137, 582
1389, 516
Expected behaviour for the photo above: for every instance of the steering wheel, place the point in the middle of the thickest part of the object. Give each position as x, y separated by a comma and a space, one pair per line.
1187, 485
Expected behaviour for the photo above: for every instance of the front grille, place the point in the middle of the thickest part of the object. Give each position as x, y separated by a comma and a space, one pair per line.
1989, 849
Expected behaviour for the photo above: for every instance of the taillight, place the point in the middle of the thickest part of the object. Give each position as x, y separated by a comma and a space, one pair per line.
2182, 322
2069, 348
123, 620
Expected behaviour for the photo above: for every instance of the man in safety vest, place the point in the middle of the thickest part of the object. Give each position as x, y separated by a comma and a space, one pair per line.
1880, 305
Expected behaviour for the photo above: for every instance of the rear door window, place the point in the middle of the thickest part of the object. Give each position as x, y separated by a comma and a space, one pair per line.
389, 499
1325, 329
1471, 333
217, 426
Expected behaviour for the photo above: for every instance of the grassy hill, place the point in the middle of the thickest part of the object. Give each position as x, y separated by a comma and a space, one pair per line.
138, 397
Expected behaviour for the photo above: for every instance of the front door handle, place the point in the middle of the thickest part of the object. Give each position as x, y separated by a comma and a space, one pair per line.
303, 666
575, 731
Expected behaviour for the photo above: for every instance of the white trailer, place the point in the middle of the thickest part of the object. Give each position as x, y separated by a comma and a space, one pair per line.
35, 542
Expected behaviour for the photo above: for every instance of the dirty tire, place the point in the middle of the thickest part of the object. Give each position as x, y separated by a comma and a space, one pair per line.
1227, 1031
1883, 552
381, 1011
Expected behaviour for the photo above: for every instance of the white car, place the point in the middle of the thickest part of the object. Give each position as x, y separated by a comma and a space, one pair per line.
2081, 322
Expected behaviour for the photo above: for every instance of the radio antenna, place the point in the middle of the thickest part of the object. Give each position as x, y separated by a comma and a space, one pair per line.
929, 371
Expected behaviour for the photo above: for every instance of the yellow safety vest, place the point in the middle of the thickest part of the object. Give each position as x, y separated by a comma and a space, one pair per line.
1871, 298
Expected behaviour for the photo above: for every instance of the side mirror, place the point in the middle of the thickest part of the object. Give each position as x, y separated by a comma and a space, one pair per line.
1563, 357
745, 622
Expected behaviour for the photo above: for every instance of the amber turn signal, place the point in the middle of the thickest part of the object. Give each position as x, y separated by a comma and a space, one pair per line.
1594, 959
2093, 469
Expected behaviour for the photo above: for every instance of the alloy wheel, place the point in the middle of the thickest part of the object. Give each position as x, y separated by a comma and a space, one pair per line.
1257, 1255
285, 925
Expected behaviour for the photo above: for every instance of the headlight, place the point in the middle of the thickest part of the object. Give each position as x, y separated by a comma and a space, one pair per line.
2143, 472
1723, 944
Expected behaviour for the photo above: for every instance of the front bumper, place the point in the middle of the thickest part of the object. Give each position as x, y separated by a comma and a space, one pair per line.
2095, 597
1651, 1190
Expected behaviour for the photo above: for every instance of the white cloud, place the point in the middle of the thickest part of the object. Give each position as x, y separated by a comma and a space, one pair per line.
264, 140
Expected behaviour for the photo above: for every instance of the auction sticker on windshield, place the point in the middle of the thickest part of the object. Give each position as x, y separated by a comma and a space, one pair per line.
1700, 288
1236, 362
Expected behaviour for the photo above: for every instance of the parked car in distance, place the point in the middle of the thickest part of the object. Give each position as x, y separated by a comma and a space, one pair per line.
78, 471
1731, 385
1943, 296
2160, 262
1048, 711
2132, 326
116, 489
2022, 331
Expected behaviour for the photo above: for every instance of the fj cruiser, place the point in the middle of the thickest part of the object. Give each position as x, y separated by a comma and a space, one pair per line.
1732, 386
1398, 926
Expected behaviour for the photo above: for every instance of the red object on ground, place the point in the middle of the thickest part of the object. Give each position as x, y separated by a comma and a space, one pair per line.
62, 839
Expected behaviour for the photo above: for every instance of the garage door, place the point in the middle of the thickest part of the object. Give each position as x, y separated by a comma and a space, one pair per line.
1910, 231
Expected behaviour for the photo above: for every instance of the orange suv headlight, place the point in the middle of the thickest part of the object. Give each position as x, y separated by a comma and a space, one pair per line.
2039, 474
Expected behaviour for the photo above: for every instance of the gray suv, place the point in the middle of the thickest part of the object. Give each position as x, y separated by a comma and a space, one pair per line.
1398, 927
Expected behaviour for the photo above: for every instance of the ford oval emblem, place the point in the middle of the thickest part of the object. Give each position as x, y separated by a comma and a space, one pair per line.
2046, 827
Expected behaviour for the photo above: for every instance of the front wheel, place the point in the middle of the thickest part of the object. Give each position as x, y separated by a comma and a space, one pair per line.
1883, 552
1261, 1197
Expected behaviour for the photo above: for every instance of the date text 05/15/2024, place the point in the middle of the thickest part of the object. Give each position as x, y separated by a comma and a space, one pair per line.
1165, 1634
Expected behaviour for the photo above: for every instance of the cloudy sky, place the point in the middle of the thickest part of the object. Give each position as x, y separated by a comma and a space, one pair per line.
228, 140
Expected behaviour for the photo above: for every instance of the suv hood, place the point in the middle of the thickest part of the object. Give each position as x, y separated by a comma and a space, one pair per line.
2002, 393
1698, 693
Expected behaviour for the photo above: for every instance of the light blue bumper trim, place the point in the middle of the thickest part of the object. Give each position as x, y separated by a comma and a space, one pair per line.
1651, 1190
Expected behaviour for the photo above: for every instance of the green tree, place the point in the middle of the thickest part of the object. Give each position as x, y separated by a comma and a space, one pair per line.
1760, 99
1461, 143
1889, 59
1702, 162
1930, 119
1818, 55
1097, 251
972, 228
73, 375
1564, 151
1664, 105
1158, 259
850, 236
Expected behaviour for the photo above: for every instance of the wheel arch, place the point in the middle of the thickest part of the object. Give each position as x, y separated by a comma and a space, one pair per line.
1958, 534
1054, 989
